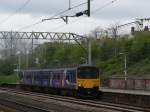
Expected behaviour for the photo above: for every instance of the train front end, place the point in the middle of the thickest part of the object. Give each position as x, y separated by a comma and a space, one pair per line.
88, 81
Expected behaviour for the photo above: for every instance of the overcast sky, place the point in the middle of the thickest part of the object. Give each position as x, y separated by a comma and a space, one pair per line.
121, 11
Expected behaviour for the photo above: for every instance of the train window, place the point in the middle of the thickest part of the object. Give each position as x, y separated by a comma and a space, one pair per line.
45, 76
67, 77
51, 75
54, 76
58, 76
28, 76
21, 75
35, 77
88, 73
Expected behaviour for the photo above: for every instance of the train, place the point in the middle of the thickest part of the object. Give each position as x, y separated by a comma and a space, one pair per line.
83, 80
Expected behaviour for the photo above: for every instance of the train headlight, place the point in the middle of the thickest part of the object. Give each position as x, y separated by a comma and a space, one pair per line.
79, 85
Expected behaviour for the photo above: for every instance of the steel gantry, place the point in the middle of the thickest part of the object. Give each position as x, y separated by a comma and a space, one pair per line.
53, 36
50, 36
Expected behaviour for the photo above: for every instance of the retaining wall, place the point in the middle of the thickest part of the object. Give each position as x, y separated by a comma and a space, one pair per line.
131, 84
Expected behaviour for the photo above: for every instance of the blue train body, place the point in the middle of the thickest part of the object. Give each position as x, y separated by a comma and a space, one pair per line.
53, 78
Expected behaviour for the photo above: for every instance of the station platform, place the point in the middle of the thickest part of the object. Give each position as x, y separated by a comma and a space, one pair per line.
139, 98
123, 91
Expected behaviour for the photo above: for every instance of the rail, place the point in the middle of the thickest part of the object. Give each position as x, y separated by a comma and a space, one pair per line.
91, 103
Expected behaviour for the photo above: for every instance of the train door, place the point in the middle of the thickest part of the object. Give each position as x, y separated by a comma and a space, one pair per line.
38, 78
60, 78
28, 78
57, 79
63, 78
51, 79
71, 79
46, 78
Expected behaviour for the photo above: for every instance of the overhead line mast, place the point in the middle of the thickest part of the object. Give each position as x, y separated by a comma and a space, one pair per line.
78, 14
69, 4
89, 8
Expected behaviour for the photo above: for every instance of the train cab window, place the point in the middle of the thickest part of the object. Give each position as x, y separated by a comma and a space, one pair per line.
88, 73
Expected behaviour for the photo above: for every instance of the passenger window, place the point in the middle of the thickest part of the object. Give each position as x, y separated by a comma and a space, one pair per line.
57, 76
46, 76
67, 77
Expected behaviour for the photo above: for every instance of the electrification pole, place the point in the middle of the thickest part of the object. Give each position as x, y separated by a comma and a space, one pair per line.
89, 40
89, 8
125, 70
89, 51
69, 4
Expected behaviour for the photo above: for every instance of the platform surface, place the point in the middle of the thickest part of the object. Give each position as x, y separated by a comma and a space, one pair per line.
135, 92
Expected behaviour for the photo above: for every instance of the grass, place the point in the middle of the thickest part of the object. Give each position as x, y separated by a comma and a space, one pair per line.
10, 79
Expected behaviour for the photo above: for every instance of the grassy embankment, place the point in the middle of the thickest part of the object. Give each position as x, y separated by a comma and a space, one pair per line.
10, 79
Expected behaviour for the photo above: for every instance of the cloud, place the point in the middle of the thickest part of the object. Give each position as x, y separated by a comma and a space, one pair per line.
122, 11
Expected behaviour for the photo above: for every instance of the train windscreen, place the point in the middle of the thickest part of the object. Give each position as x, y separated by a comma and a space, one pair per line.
88, 73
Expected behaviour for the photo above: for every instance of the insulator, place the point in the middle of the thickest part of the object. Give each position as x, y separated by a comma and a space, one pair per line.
79, 14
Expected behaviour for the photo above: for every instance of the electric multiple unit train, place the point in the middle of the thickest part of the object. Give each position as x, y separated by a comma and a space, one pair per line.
80, 81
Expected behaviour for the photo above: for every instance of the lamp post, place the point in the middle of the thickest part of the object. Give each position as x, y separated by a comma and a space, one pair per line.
19, 61
27, 59
125, 69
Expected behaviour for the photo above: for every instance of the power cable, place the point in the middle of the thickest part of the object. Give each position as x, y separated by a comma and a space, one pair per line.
14, 13
41, 21
70, 8
76, 6
31, 25
107, 4
62, 12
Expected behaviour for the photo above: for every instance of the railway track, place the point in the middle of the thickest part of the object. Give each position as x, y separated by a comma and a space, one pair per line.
21, 107
90, 103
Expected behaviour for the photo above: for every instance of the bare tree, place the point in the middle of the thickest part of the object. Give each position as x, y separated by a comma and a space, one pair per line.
98, 33
114, 34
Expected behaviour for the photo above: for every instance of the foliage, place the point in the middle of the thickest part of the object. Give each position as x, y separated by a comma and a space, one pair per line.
105, 54
8, 79
7, 66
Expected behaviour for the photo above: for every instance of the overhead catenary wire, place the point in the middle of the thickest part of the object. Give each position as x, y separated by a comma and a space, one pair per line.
31, 25
43, 20
107, 4
62, 12
70, 8
99, 9
15, 12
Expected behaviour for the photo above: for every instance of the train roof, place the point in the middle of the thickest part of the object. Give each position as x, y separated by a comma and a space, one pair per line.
51, 69
60, 69
87, 65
